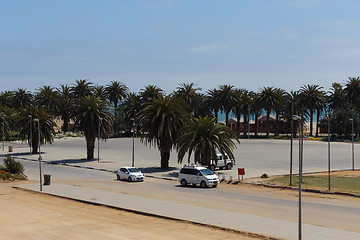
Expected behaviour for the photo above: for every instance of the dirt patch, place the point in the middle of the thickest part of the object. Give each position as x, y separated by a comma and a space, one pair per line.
38, 216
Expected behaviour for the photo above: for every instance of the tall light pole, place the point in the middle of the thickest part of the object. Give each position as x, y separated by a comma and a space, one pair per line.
40, 158
352, 142
329, 152
30, 133
295, 117
3, 132
249, 121
100, 119
291, 142
133, 143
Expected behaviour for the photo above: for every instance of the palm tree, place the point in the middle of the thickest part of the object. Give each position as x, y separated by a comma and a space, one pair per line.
129, 107
161, 119
292, 107
268, 101
90, 111
312, 98
46, 124
115, 92
203, 137
238, 108
352, 91
150, 92
227, 100
47, 97
81, 88
21, 98
99, 91
8, 118
212, 101
278, 107
256, 110
66, 105
188, 92
246, 100
336, 97
6, 98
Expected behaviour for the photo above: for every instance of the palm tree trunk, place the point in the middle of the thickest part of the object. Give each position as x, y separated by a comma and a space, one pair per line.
165, 156
115, 116
90, 146
317, 123
311, 122
256, 123
267, 123
277, 125
245, 123
226, 118
206, 158
35, 145
238, 125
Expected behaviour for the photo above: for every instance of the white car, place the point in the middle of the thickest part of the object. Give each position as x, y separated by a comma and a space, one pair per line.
130, 174
194, 174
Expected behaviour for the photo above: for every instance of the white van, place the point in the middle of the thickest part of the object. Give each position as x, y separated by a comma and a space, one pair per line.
222, 162
194, 174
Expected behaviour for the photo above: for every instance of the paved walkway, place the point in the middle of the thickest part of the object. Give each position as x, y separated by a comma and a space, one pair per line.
242, 222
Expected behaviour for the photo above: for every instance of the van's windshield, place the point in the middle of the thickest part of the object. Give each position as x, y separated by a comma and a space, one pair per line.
206, 172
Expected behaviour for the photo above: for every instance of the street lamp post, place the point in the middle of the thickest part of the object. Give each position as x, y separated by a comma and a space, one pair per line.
133, 143
3, 132
291, 142
329, 153
249, 122
100, 119
295, 117
352, 142
30, 133
40, 158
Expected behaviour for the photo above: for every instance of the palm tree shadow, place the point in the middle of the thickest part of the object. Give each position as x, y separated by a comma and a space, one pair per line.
63, 161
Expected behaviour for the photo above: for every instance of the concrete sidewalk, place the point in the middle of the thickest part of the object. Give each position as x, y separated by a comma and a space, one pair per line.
208, 216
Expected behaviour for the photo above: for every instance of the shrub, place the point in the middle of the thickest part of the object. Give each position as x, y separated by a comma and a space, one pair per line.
264, 176
13, 166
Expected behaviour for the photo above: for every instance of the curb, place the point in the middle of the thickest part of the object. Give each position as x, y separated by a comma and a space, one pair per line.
305, 189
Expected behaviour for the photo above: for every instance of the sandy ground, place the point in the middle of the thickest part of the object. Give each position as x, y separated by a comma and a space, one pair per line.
28, 215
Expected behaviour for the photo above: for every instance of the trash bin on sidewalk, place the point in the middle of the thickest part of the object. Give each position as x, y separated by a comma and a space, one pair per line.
10, 148
47, 179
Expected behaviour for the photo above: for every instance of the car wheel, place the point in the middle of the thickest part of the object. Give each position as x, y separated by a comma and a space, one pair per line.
212, 168
203, 184
118, 177
130, 179
183, 182
228, 166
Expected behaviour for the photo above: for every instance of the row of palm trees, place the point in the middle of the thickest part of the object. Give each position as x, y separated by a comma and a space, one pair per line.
186, 113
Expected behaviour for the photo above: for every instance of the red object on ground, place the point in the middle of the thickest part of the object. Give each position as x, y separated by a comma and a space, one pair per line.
241, 171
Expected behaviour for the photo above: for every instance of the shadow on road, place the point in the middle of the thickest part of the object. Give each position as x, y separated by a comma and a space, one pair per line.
170, 172
83, 160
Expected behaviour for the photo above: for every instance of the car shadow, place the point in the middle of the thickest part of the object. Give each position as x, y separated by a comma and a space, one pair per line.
191, 186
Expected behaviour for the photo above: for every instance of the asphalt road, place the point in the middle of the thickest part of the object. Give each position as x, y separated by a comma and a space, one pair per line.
322, 210
256, 156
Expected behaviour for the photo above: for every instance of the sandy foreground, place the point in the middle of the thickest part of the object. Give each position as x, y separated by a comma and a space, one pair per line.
28, 215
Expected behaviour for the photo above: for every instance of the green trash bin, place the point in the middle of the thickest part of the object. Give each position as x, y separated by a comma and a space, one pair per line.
47, 179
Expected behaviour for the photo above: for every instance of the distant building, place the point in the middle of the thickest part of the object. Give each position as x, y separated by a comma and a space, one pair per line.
284, 127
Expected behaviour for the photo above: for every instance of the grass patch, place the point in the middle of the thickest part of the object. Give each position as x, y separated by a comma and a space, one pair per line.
338, 183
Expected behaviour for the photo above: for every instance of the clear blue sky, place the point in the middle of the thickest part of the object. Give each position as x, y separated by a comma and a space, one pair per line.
249, 44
